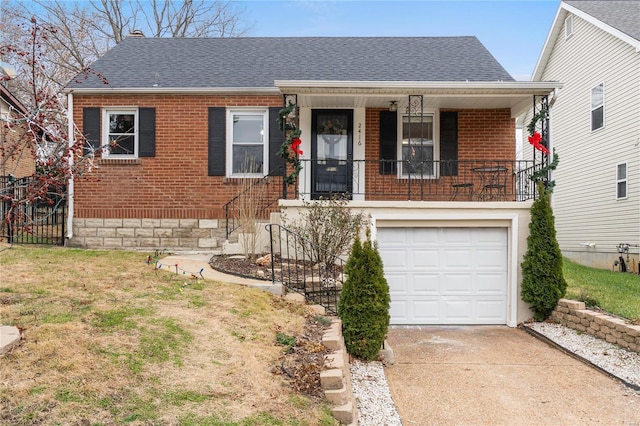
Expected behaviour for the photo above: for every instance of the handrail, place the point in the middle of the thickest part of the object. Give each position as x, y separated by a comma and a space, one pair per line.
292, 261
231, 206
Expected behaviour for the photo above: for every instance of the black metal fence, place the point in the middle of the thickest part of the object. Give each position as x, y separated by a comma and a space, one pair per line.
305, 268
31, 219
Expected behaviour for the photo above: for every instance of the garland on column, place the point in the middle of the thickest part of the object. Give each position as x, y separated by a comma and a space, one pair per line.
539, 143
292, 139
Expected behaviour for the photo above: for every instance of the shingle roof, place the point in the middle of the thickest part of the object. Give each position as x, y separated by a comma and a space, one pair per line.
257, 62
621, 15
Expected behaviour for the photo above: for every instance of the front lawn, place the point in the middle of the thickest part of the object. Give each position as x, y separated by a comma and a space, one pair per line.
615, 292
109, 339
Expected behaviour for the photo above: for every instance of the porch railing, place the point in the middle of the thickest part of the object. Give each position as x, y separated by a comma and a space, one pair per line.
305, 268
462, 180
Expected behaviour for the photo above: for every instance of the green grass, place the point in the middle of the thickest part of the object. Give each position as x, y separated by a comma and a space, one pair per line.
615, 292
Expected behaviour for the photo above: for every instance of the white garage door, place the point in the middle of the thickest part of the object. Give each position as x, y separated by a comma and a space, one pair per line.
446, 275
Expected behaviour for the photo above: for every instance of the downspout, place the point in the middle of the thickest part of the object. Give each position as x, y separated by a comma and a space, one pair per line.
70, 133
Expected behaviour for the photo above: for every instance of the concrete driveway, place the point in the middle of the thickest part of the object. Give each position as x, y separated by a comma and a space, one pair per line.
499, 376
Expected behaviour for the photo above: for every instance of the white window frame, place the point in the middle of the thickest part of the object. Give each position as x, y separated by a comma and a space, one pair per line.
436, 144
231, 112
106, 112
624, 180
568, 26
601, 105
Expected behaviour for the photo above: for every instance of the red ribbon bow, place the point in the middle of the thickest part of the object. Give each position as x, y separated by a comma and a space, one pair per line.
535, 140
295, 143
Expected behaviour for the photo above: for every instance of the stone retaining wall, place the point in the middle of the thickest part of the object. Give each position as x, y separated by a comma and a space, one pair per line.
148, 234
336, 378
573, 314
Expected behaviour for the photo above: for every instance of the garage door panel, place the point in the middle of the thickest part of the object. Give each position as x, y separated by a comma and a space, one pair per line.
425, 311
456, 258
456, 284
425, 259
396, 258
446, 275
427, 237
490, 258
425, 284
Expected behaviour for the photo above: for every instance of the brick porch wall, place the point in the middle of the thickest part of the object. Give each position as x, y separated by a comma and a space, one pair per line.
483, 134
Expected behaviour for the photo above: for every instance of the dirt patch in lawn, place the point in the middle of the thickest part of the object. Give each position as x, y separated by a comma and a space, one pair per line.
111, 340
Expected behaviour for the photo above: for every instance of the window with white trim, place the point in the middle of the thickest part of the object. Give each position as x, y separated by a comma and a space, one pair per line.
621, 181
120, 133
597, 107
417, 149
568, 26
247, 152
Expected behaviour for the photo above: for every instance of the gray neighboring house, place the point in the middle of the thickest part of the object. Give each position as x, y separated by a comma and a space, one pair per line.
419, 132
593, 48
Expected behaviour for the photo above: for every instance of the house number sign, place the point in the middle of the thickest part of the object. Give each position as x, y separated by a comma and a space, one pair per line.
359, 134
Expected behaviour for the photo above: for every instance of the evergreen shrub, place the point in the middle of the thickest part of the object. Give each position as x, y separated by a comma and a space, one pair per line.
543, 283
364, 301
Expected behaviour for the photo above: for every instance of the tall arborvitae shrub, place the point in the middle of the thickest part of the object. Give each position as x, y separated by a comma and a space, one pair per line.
543, 283
364, 301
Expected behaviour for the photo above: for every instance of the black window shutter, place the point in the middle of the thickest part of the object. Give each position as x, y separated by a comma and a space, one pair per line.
217, 141
449, 143
147, 132
91, 129
388, 142
276, 138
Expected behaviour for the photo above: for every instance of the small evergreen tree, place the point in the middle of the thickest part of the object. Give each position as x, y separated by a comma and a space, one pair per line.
543, 283
364, 301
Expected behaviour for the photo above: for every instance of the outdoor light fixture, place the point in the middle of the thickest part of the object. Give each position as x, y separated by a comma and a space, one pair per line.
393, 106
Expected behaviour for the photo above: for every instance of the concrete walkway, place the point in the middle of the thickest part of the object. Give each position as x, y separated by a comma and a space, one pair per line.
499, 376
194, 263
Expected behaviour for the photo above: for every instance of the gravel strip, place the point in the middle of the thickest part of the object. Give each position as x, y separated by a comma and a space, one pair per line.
611, 358
373, 398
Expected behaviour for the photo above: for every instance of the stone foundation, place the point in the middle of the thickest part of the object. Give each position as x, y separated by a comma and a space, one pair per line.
148, 234
614, 330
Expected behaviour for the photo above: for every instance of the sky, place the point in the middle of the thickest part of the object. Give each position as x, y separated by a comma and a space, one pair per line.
514, 31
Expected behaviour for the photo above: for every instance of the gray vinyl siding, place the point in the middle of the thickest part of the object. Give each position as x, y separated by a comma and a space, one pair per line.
585, 204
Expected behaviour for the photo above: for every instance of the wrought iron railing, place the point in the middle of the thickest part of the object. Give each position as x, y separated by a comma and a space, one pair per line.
32, 219
257, 199
461, 180
305, 268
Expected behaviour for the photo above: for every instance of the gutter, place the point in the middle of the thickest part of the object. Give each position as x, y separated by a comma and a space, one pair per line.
70, 133
176, 90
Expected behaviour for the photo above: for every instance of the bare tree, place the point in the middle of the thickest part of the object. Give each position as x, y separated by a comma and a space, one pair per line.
83, 31
39, 133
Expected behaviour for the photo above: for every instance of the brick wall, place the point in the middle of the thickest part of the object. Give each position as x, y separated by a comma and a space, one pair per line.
16, 155
173, 184
483, 134
614, 330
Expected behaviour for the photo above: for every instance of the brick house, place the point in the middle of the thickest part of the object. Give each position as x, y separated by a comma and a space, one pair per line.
417, 132
15, 159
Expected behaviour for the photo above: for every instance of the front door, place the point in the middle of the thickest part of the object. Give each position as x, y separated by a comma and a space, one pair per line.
331, 152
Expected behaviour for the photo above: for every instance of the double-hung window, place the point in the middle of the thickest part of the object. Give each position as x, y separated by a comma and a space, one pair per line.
597, 107
621, 181
247, 132
120, 133
417, 149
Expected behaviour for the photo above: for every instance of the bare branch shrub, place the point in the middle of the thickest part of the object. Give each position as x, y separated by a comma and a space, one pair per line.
328, 227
